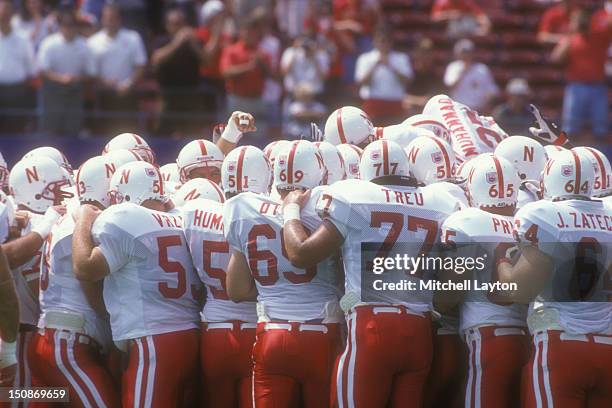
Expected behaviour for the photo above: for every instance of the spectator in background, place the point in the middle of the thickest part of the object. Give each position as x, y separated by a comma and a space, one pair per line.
555, 21
65, 63
120, 59
31, 22
470, 82
426, 81
382, 75
303, 111
464, 17
176, 63
584, 50
304, 61
245, 69
514, 116
290, 15
215, 33
16, 68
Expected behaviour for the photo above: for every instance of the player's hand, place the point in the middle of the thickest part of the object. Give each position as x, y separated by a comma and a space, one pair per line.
245, 122
22, 218
547, 131
88, 211
299, 197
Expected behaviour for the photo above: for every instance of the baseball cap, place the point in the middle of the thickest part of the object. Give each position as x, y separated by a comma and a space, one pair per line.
464, 45
518, 86
210, 9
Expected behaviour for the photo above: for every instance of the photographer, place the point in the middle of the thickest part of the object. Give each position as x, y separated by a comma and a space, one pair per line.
304, 62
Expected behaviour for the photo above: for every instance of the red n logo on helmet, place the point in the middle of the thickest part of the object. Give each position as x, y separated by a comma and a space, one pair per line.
32, 174
110, 169
412, 155
528, 154
192, 195
125, 176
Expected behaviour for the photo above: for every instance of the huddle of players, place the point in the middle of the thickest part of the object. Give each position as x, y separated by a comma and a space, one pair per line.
124, 263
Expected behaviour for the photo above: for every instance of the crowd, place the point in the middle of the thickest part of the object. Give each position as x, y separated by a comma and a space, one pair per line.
175, 68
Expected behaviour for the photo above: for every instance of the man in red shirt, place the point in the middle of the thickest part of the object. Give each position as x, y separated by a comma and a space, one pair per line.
584, 50
245, 68
555, 22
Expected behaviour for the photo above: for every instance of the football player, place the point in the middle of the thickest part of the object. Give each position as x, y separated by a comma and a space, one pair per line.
4, 175
74, 332
389, 332
564, 268
529, 158
471, 134
431, 123
132, 142
349, 125
37, 185
602, 184
9, 324
298, 331
351, 155
195, 189
151, 289
228, 328
432, 161
404, 134
494, 330
332, 160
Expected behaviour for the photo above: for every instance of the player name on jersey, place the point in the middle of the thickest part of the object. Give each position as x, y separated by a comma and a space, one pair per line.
585, 220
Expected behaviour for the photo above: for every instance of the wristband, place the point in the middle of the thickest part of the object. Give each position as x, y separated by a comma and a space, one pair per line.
231, 132
291, 212
8, 354
43, 227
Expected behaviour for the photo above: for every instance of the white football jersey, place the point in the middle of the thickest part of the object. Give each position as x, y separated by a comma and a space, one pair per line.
253, 226
364, 212
60, 290
203, 227
23, 275
473, 226
527, 193
5, 222
455, 190
471, 134
563, 230
152, 287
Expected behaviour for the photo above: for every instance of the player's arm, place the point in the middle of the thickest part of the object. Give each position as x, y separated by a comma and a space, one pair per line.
530, 273
22, 249
239, 282
9, 323
238, 124
88, 261
303, 250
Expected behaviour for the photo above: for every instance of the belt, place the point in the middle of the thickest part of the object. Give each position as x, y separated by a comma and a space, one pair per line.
229, 325
67, 334
585, 338
23, 327
494, 331
290, 326
395, 309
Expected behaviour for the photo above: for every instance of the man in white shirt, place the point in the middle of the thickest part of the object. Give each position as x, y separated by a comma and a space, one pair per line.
303, 62
382, 75
65, 63
16, 68
470, 83
120, 58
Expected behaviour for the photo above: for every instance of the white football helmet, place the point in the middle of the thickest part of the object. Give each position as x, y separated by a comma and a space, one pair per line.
198, 188
133, 142
38, 183
602, 184
383, 158
567, 175
170, 173
351, 155
430, 159
4, 172
120, 157
93, 180
299, 165
136, 182
197, 154
52, 153
10, 206
493, 182
464, 169
553, 150
527, 155
431, 123
333, 163
403, 134
246, 168
348, 125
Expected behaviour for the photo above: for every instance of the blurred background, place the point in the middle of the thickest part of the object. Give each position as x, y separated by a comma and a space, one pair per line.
75, 73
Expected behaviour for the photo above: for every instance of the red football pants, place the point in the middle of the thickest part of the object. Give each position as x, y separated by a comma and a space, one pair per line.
496, 356
22, 375
567, 371
225, 362
59, 358
446, 380
294, 360
162, 369
386, 360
